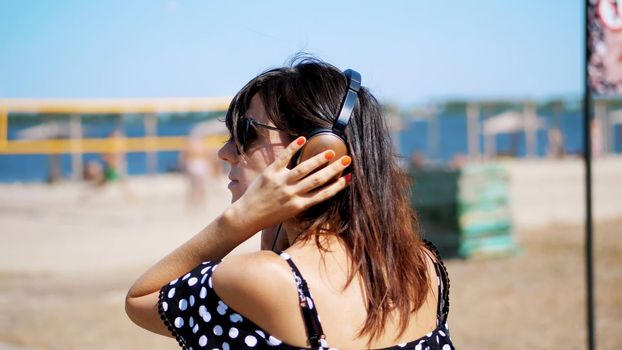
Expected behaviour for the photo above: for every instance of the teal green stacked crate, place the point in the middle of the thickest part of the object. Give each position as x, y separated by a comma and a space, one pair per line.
465, 211
434, 196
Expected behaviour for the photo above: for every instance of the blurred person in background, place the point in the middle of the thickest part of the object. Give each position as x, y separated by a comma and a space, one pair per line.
556, 143
339, 236
114, 160
109, 172
196, 168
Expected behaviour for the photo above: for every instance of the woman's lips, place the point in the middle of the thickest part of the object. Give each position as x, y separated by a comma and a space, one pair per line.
232, 183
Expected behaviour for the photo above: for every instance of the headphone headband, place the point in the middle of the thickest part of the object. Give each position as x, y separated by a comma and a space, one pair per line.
348, 102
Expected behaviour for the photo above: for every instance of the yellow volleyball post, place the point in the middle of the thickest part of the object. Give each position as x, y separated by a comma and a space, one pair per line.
151, 133
4, 126
75, 141
76, 145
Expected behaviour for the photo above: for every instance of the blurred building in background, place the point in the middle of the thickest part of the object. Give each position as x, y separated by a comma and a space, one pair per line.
52, 139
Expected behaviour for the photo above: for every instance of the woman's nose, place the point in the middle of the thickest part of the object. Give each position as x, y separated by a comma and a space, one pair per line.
228, 152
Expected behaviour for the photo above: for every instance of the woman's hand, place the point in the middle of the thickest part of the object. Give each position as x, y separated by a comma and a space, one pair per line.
276, 195
280, 193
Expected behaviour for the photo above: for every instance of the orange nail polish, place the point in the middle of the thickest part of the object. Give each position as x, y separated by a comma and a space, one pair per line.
329, 155
346, 160
348, 178
301, 140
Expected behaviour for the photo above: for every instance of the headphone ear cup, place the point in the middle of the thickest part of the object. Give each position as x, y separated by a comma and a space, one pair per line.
321, 142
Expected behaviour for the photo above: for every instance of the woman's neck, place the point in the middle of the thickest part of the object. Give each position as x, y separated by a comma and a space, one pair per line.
292, 230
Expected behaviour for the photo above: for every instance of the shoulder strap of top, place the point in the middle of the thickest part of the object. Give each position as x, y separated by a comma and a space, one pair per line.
307, 306
443, 283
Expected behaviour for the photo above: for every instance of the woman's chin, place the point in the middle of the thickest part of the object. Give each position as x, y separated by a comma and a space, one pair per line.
234, 198
236, 189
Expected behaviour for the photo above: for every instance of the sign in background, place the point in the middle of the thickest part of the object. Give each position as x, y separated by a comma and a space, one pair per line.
605, 46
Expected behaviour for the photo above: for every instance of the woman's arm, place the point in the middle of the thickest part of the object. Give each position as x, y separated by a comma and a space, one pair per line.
275, 196
213, 242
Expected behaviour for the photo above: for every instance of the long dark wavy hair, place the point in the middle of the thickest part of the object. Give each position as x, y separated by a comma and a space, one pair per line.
373, 216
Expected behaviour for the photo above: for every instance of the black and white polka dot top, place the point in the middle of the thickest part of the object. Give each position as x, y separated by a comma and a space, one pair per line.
199, 319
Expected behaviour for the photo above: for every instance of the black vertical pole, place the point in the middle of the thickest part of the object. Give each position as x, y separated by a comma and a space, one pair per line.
587, 149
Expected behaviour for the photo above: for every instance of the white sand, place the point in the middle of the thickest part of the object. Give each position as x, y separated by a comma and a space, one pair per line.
65, 264
47, 228
549, 192
52, 229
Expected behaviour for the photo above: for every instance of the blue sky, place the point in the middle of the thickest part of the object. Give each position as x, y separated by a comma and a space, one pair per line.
407, 51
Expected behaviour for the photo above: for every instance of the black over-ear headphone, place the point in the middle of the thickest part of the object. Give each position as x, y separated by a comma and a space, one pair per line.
322, 139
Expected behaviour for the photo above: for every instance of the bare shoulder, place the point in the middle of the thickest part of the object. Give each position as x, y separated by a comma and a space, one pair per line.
253, 268
254, 284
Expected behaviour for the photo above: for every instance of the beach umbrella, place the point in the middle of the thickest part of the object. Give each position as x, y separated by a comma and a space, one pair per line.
49, 130
209, 128
509, 122
44, 131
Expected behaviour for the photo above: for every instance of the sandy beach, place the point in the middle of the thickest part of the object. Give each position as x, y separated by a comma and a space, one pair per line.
66, 263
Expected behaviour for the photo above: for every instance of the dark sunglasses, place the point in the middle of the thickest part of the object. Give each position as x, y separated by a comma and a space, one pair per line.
247, 133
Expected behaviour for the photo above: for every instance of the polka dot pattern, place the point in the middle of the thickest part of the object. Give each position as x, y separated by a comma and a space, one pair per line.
273, 341
233, 332
202, 340
250, 341
199, 319
235, 318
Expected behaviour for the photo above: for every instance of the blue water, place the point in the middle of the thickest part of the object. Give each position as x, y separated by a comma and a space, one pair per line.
414, 138
452, 137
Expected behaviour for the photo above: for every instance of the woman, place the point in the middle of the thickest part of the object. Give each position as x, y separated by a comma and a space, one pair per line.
352, 252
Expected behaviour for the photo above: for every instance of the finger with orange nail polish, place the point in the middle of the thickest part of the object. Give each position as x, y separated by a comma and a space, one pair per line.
330, 154
345, 161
